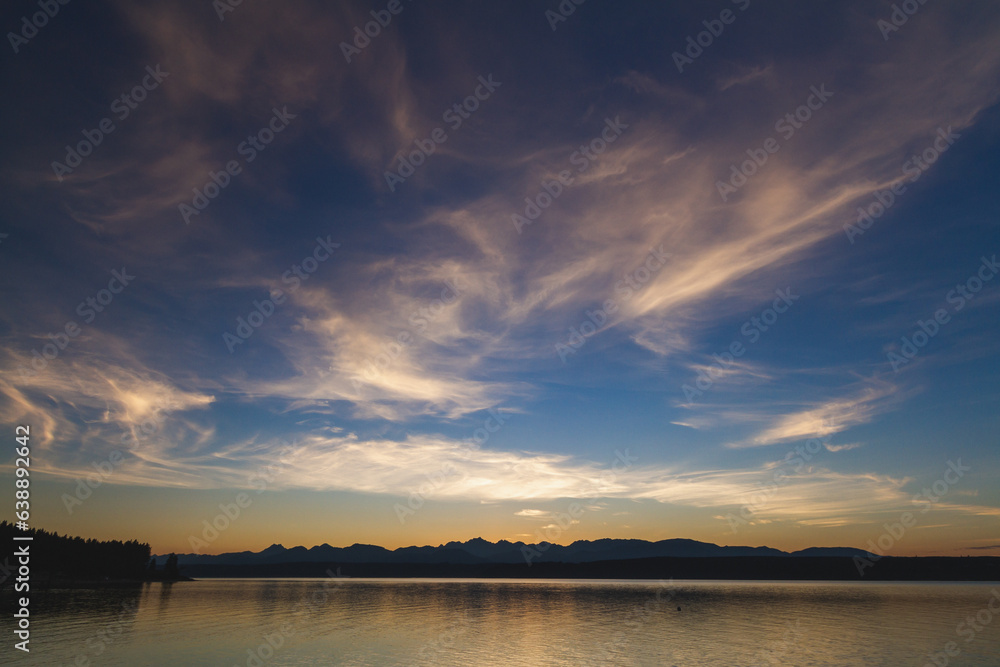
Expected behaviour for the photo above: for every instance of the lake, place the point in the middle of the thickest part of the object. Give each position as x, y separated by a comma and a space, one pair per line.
341, 621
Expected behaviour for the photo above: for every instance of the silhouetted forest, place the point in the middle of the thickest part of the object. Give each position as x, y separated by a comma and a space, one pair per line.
72, 557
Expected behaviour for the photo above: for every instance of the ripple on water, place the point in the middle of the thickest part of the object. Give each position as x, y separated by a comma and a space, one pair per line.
483, 622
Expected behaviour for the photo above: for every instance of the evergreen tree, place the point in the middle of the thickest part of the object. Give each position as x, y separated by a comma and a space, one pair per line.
170, 571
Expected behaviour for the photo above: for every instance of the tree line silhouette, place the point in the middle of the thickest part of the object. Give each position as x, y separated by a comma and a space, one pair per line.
52, 554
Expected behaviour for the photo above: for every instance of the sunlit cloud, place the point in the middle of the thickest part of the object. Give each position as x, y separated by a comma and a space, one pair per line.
91, 406
439, 305
827, 418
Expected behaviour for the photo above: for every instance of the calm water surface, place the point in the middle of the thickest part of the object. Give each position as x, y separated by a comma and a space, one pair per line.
252, 623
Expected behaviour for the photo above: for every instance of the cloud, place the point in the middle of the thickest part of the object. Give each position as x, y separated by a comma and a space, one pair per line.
655, 185
842, 448
393, 362
746, 75
85, 407
449, 470
826, 418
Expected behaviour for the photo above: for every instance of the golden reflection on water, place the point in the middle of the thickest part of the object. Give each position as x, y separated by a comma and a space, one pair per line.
358, 622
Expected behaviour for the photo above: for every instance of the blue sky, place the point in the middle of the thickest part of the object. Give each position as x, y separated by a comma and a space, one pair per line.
392, 320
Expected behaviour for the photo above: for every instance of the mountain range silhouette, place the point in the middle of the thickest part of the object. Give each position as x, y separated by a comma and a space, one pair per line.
480, 551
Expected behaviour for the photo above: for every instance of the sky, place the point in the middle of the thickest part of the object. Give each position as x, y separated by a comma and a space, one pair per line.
530, 271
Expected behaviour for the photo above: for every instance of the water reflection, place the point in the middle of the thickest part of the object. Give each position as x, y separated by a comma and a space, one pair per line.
434, 622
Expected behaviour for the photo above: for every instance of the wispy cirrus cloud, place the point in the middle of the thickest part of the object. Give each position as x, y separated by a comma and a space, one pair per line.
827, 417
332, 352
85, 407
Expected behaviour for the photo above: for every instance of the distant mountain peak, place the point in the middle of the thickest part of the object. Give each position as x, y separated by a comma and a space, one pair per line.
481, 550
